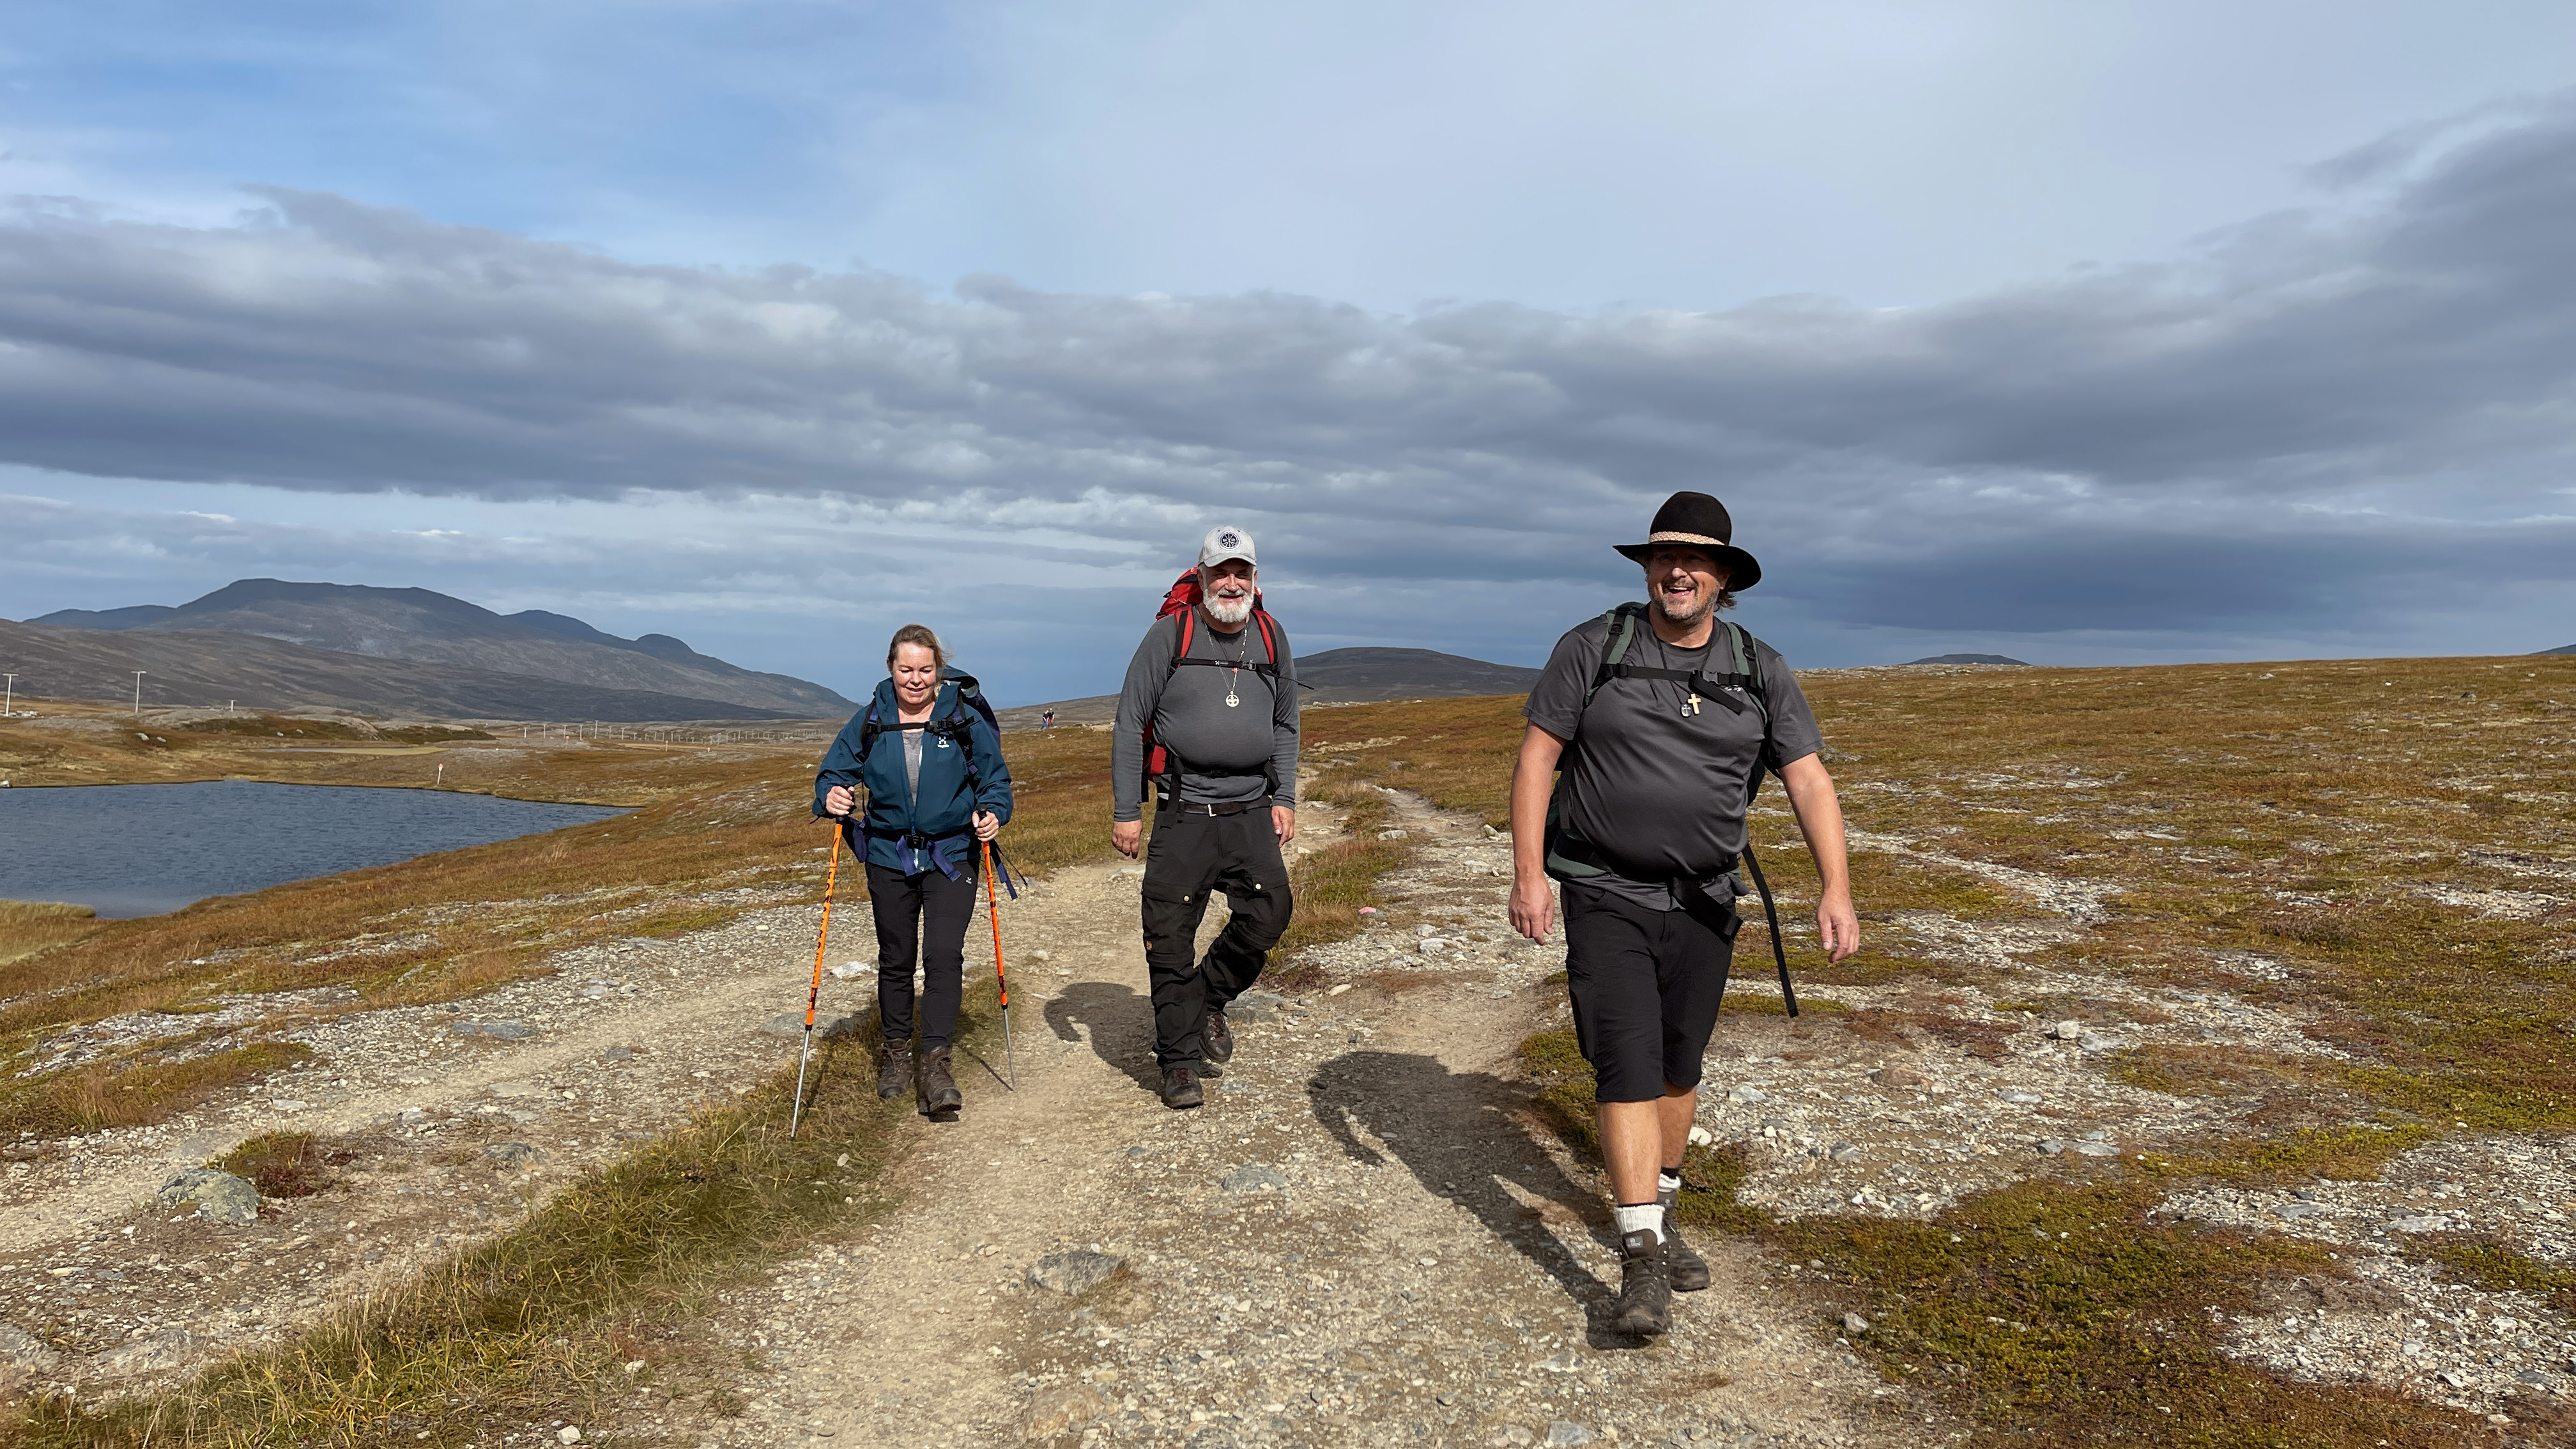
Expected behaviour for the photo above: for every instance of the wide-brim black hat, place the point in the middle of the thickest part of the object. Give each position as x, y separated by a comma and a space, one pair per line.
1698, 521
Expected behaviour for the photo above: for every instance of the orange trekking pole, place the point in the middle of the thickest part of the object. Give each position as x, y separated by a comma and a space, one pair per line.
993, 913
831, 878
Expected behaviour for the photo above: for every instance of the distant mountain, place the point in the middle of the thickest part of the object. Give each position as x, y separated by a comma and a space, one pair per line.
1339, 676
421, 624
1969, 659
208, 667
2562, 649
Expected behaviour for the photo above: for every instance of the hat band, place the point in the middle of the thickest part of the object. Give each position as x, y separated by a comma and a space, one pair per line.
1699, 538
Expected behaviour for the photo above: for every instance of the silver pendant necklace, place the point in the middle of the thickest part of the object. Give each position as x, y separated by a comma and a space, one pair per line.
1233, 699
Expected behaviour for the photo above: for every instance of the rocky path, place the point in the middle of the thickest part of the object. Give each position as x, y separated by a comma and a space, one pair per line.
1361, 1239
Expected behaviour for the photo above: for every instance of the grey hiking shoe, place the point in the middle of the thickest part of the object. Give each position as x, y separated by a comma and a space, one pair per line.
894, 1070
1645, 1304
1687, 1269
938, 1089
1181, 1087
1216, 1039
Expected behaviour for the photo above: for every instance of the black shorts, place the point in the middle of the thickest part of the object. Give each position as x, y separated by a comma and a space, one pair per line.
1645, 986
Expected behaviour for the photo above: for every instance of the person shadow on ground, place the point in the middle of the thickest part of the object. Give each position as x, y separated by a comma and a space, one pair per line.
1461, 1136
1121, 1024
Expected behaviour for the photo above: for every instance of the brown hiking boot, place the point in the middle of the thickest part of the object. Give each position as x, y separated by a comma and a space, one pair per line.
1645, 1304
894, 1069
938, 1089
1687, 1269
1181, 1087
1216, 1039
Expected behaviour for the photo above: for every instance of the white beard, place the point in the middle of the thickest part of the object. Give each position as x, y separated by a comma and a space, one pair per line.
1229, 611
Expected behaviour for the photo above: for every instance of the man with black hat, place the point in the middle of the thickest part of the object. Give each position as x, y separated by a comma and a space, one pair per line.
1217, 747
1662, 719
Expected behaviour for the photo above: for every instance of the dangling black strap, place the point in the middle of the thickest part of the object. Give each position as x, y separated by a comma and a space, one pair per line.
1771, 916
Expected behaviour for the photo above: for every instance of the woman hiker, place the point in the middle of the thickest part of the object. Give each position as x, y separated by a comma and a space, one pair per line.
927, 753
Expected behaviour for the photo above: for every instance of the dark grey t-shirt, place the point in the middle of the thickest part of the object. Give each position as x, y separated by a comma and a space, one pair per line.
1656, 789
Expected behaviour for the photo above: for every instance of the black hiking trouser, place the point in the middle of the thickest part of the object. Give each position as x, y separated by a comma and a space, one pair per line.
1645, 986
1193, 856
923, 915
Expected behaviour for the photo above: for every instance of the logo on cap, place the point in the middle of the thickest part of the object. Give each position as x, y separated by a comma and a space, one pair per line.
1228, 539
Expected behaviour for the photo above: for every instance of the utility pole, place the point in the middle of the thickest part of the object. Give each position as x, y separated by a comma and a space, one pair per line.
138, 692
9, 708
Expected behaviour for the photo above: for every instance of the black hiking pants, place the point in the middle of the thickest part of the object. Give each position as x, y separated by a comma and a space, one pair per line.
1645, 986
1194, 855
920, 916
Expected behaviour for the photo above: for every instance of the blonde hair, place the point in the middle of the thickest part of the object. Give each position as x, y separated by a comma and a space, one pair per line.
918, 634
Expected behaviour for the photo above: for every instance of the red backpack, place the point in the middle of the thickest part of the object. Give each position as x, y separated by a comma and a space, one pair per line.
1184, 599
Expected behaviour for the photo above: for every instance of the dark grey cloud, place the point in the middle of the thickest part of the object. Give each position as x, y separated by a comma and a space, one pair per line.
2310, 427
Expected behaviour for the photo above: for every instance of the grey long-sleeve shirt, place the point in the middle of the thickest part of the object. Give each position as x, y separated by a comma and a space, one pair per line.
1228, 753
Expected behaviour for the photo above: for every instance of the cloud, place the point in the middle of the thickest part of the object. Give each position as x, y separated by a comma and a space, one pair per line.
2313, 427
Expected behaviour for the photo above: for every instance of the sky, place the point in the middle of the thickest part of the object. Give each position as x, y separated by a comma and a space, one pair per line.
2115, 333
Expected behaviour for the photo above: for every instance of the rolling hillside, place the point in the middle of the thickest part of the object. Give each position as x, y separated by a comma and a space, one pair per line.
419, 624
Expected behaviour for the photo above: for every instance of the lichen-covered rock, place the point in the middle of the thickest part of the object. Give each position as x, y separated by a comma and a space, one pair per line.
218, 1196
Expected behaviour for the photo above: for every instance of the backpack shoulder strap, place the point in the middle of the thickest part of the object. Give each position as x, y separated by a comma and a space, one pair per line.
1622, 623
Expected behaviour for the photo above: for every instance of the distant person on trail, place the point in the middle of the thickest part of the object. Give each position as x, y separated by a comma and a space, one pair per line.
1661, 732
930, 758
1219, 743
1047, 721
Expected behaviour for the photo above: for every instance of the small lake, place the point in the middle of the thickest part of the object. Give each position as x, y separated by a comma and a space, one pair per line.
140, 850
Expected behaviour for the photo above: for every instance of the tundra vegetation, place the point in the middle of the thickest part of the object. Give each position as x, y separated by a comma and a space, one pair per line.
2386, 848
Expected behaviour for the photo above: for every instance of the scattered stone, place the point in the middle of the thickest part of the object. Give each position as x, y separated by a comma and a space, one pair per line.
219, 1196
621, 1053
1513, 1436
2051, 1146
1432, 946
1255, 1006
2095, 1149
568, 1434
2069, 1030
1075, 1273
514, 1089
505, 1030
1390, 835
1900, 1078
1062, 1410
286, 1104
2293, 1211
2019, 1098
1255, 1177
511, 1154
1844, 1152
2455, 1378
1564, 1432
1854, 1323
853, 970
1702, 1137
1743, 1093
791, 1024
2095, 1042
152, 1353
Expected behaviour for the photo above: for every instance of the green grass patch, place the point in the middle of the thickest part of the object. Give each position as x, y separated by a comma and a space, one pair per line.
536, 1324
2057, 1314
146, 1085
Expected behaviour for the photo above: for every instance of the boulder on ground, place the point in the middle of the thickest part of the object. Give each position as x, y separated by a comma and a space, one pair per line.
1076, 1273
218, 1196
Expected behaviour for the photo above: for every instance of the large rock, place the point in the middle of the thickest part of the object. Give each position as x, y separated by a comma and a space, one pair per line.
1076, 1273
1255, 1177
24, 1349
152, 1353
792, 1024
218, 1196
1063, 1409
1255, 1006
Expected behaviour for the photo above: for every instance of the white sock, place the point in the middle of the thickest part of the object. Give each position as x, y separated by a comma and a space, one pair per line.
1643, 1217
1668, 1186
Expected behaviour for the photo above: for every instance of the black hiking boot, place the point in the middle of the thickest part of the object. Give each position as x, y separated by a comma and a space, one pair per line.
1181, 1087
894, 1070
938, 1089
1645, 1304
1216, 1039
1687, 1269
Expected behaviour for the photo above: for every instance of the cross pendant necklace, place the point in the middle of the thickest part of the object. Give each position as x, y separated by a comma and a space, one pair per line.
1691, 705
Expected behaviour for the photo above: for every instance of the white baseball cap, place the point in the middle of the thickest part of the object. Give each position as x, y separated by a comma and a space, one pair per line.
1226, 541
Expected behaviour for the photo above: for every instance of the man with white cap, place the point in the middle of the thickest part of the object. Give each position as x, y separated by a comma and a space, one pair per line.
1216, 744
